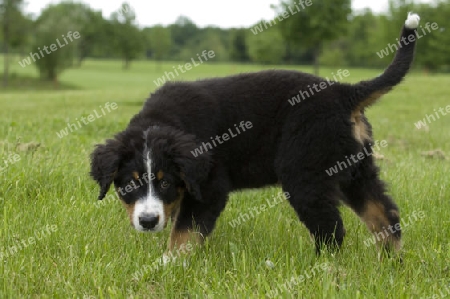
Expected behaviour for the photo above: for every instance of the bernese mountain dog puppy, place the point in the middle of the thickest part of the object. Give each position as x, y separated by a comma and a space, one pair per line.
195, 142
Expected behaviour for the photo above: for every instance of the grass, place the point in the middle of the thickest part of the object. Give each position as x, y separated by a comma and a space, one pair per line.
70, 247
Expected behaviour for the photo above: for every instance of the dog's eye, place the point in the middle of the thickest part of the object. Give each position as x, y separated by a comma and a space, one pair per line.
164, 184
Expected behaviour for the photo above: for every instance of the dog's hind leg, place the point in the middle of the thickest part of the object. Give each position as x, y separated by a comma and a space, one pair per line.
366, 195
315, 200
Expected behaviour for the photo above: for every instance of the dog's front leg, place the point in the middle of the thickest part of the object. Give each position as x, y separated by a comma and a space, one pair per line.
194, 221
184, 239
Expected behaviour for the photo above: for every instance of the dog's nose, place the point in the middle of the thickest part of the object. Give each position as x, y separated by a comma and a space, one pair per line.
148, 221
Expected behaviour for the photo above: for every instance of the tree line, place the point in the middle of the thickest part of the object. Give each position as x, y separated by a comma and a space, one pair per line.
314, 32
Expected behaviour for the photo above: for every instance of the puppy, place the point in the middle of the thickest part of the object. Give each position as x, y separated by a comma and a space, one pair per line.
195, 142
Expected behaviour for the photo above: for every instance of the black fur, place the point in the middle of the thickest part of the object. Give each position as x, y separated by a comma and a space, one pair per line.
291, 145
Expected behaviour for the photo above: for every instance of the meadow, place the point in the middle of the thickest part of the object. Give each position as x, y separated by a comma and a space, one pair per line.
58, 242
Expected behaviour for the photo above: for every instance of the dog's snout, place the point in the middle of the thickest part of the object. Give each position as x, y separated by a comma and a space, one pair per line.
148, 221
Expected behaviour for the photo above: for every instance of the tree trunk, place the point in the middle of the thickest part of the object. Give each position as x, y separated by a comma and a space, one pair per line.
126, 64
288, 56
80, 61
316, 63
52, 75
56, 82
6, 64
316, 53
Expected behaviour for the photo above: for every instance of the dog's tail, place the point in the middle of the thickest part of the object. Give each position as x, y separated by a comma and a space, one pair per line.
366, 93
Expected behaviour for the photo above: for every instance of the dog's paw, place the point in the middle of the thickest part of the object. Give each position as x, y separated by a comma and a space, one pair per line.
412, 22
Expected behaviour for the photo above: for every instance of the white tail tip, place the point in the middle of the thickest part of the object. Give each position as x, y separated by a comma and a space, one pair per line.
412, 22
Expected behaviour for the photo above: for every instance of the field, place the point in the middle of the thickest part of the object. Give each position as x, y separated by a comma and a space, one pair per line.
58, 242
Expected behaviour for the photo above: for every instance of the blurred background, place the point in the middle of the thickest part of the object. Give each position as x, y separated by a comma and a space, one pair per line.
339, 33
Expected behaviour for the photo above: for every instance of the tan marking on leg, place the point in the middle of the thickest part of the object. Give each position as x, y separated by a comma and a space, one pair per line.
136, 175
159, 175
374, 216
171, 210
394, 213
180, 238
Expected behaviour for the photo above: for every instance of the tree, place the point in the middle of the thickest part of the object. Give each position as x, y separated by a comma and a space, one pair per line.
365, 31
160, 43
127, 37
93, 29
266, 47
55, 42
183, 32
312, 23
239, 50
435, 53
211, 39
12, 23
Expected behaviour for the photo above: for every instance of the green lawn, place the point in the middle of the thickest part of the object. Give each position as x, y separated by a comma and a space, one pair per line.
57, 242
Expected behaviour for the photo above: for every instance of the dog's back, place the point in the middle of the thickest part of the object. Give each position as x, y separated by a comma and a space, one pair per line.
268, 96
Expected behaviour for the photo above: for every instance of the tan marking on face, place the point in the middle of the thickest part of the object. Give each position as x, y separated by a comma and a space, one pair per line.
130, 210
376, 219
159, 175
128, 207
136, 175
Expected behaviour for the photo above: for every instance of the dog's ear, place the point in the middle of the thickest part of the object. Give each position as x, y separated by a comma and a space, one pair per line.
105, 160
194, 170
